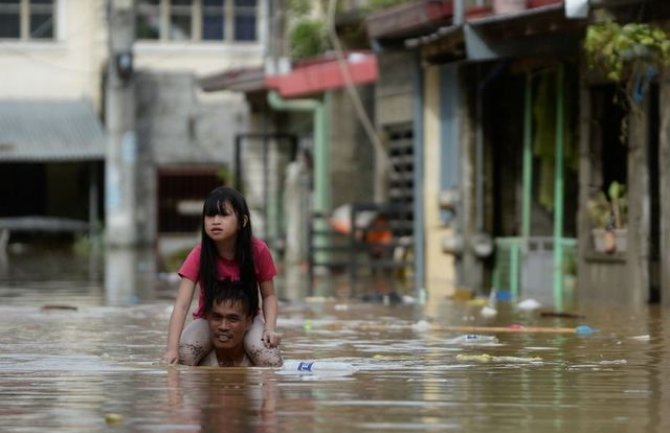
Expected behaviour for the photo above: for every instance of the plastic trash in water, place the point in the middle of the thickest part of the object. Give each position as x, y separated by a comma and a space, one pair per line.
473, 339
422, 325
528, 305
485, 357
307, 367
503, 295
488, 311
584, 330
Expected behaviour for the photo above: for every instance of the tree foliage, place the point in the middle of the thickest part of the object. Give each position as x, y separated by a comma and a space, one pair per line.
308, 39
612, 48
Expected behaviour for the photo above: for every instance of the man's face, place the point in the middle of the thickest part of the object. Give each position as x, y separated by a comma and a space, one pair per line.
228, 323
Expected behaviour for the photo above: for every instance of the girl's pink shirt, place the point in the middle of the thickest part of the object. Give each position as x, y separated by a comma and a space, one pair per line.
263, 262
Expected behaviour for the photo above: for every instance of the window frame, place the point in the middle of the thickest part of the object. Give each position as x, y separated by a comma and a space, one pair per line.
197, 30
25, 13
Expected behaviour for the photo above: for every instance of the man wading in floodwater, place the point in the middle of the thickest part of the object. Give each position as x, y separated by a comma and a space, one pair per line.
230, 315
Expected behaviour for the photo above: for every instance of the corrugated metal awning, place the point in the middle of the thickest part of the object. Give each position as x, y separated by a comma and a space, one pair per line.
50, 130
324, 73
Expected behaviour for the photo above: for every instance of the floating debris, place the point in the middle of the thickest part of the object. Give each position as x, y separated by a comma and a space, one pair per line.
485, 357
614, 362
488, 311
58, 307
473, 339
113, 418
422, 325
528, 305
561, 315
584, 330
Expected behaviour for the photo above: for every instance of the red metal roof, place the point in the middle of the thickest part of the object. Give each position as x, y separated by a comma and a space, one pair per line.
322, 74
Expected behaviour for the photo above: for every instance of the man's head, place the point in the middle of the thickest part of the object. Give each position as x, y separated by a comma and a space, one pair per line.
231, 312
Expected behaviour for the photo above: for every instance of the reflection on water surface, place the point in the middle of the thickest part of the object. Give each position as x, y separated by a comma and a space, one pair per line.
93, 369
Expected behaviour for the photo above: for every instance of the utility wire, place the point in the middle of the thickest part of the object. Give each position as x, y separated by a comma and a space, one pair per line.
353, 92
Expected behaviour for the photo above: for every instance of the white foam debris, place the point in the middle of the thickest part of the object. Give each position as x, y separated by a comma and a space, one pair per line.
488, 311
528, 305
422, 325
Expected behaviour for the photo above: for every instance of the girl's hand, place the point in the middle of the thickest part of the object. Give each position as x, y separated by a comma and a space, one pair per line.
171, 357
271, 338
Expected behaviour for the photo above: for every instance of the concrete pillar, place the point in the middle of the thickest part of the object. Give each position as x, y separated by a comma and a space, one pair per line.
664, 184
638, 204
122, 149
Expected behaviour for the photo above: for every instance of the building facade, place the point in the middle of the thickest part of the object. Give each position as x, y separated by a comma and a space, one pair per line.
58, 51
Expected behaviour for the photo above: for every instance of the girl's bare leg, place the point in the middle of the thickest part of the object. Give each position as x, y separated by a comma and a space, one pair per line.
260, 355
195, 342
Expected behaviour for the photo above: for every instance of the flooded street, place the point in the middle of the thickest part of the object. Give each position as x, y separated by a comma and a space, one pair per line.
94, 368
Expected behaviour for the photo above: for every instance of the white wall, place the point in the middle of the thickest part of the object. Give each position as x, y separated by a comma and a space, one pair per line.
69, 67
72, 66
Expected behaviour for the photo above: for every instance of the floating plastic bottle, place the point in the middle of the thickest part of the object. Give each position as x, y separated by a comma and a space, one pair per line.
317, 367
473, 339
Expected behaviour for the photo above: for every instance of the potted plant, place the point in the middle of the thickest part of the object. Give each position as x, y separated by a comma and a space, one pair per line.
609, 216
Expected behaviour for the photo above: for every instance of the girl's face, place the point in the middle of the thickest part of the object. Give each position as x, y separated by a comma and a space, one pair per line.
222, 226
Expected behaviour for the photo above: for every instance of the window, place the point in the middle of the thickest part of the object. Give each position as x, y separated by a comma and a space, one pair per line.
180, 20
245, 20
148, 25
197, 20
27, 19
213, 20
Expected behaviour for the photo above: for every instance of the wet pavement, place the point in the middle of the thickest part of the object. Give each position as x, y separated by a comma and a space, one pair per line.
88, 364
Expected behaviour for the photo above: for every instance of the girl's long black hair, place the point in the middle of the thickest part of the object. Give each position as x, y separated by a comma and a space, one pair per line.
215, 205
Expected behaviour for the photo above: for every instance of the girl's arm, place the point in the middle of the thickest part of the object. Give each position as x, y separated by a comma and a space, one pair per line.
270, 307
177, 319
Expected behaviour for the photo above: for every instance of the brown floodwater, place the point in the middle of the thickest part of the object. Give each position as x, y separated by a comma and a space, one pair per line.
94, 369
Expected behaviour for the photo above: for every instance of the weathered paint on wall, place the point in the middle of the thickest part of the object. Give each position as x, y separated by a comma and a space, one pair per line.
351, 153
395, 90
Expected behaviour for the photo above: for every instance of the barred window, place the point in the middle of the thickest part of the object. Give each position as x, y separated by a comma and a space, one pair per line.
27, 19
197, 20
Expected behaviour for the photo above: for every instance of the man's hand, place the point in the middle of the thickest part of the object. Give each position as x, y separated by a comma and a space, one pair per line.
171, 357
271, 338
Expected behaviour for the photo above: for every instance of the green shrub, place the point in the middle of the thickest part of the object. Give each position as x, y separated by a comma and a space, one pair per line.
308, 39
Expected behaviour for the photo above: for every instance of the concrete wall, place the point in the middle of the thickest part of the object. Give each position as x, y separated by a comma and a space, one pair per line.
179, 126
69, 67
351, 152
394, 92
